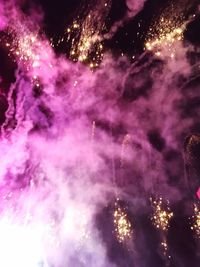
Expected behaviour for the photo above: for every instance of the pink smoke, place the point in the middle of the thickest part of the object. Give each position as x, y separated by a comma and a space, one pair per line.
134, 6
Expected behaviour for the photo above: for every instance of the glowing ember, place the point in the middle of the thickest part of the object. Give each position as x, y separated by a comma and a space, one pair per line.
162, 215
165, 247
165, 34
123, 227
196, 221
85, 36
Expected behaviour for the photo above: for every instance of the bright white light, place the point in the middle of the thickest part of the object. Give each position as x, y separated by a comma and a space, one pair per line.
20, 245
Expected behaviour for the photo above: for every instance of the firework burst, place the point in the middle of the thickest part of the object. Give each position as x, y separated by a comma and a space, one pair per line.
162, 215
161, 219
123, 226
164, 36
85, 35
166, 33
196, 221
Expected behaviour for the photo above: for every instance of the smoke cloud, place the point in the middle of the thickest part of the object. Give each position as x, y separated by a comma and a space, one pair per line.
134, 6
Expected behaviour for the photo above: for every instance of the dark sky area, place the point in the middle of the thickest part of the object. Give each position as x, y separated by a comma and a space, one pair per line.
58, 14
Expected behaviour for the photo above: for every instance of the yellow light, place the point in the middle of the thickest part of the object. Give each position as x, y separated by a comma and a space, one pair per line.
123, 227
162, 215
196, 221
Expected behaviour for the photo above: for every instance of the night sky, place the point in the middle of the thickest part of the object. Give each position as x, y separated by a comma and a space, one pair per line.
107, 123
59, 14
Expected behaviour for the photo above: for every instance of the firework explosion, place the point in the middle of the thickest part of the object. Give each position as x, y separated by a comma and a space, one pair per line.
85, 36
166, 34
64, 147
196, 221
123, 227
161, 219
162, 216
163, 43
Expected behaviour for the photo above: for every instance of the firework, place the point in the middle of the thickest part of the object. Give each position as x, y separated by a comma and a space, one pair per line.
166, 32
196, 221
161, 218
123, 227
24, 45
192, 158
20, 244
162, 215
85, 35
30, 51
25, 49
164, 36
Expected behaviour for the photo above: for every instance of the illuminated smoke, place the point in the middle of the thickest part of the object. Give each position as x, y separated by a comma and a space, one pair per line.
165, 40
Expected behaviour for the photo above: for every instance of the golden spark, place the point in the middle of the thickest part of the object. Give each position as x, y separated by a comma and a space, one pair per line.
85, 35
162, 215
123, 227
166, 32
196, 221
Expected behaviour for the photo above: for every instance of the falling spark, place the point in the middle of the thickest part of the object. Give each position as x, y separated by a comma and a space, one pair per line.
29, 50
24, 46
196, 221
123, 227
162, 215
164, 246
86, 36
161, 218
164, 37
